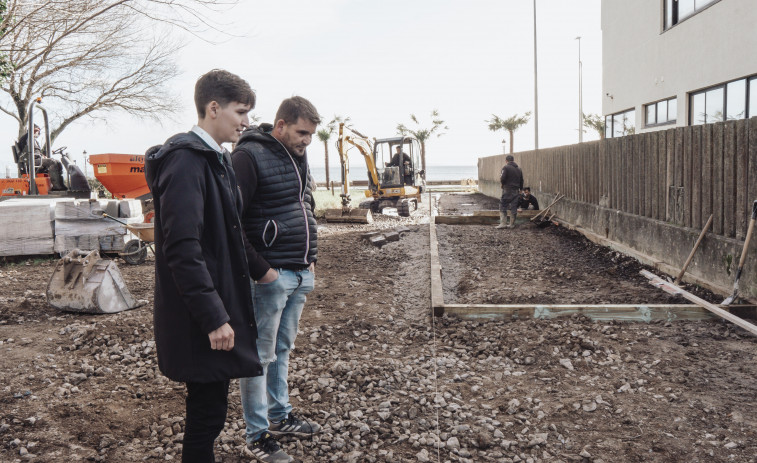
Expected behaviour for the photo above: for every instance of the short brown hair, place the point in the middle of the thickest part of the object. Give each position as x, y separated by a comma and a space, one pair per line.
223, 87
297, 107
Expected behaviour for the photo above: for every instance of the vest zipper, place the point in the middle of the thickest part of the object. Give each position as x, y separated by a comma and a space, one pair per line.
301, 199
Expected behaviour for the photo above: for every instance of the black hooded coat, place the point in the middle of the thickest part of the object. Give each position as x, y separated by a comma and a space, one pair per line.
202, 275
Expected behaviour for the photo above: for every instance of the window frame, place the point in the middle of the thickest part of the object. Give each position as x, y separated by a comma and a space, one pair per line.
670, 17
748, 81
657, 112
610, 128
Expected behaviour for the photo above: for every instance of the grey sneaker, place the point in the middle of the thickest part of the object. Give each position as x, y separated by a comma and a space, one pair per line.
267, 450
293, 425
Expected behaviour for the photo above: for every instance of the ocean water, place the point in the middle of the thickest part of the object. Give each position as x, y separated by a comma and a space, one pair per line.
434, 173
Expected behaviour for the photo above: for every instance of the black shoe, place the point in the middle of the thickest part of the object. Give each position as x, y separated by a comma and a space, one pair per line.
267, 450
292, 425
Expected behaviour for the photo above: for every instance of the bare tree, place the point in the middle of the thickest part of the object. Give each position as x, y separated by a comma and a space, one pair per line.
511, 124
423, 134
89, 57
595, 122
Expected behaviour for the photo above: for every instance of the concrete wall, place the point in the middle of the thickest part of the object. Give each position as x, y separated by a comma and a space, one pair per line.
643, 63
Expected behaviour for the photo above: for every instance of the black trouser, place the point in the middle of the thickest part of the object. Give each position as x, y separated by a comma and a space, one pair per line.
206, 415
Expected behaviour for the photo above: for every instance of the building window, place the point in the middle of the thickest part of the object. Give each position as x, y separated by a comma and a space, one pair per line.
678, 10
662, 112
620, 124
724, 102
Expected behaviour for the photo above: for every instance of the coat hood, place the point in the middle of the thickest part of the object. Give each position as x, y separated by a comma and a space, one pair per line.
155, 155
259, 133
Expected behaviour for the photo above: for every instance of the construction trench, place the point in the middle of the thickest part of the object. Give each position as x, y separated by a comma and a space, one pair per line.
391, 383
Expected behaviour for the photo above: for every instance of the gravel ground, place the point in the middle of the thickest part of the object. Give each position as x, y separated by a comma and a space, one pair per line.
388, 383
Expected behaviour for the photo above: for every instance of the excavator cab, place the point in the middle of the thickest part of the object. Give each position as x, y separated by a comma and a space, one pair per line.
397, 162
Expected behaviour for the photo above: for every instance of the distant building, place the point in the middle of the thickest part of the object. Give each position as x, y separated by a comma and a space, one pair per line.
669, 63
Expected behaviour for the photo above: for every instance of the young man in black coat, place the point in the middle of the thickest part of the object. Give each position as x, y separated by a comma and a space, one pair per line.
204, 326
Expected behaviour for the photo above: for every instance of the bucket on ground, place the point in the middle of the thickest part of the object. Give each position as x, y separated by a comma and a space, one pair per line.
86, 283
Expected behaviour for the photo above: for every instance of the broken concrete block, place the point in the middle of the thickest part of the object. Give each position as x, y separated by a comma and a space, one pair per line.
369, 235
377, 240
392, 236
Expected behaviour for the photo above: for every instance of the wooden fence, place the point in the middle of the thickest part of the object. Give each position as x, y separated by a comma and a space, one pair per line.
680, 175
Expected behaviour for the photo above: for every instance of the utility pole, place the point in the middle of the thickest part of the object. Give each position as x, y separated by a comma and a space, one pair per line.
536, 90
580, 95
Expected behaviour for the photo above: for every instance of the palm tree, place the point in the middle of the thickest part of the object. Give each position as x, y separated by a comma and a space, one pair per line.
324, 135
422, 134
596, 122
510, 124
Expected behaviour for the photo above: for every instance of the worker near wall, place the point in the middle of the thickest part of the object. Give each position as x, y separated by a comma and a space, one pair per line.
527, 200
47, 165
272, 167
204, 327
511, 179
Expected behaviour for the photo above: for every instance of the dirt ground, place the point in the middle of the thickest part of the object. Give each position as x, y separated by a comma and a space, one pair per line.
388, 383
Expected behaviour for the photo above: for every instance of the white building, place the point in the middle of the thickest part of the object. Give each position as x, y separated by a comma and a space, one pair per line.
670, 63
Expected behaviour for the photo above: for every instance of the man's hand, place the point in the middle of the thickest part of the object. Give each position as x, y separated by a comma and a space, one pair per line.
222, 338
270, 275
311, 268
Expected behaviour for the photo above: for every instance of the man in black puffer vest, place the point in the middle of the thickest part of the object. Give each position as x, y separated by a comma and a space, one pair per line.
272, 170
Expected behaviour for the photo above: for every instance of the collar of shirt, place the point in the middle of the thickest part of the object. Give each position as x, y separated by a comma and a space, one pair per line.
208, 140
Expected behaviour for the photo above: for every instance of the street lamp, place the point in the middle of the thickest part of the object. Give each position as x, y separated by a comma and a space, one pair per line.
580, 95
84, 153
504, 146
536, 92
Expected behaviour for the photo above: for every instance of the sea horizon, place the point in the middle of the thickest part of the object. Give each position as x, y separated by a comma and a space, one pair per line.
433, 173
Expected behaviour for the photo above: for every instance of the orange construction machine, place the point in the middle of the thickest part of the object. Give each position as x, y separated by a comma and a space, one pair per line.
30, 157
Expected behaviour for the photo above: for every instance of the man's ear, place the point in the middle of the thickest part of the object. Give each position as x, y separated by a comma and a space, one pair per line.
278, 128
212, 109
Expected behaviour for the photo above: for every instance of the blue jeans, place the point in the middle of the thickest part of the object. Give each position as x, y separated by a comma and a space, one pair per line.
278, 306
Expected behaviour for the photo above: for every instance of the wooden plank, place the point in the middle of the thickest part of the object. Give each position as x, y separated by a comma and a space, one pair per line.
706, 172
687, 171
662, 174
670, 288
604, 312
614, 169
729, 179
495, 213
651, 174
679, 176
669, 177
625, 173
437, 294
717, 178
752, 175
637, 166
696, 176
742, 184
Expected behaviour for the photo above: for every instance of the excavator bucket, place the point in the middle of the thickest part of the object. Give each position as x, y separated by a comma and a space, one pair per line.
349, 216
87, 283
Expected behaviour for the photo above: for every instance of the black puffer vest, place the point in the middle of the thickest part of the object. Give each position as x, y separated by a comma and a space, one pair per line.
279, 223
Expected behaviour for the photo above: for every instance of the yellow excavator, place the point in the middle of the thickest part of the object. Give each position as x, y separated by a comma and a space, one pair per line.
395, 179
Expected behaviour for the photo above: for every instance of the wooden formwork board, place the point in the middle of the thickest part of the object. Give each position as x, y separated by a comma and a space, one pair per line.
600, 312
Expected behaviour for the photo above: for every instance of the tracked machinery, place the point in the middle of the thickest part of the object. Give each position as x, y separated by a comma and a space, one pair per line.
395, 179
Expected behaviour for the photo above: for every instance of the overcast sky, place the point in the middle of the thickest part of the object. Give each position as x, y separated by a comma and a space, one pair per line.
378, 62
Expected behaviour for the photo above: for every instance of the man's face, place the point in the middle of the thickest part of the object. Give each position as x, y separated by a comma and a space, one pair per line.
230, 121
36, 132
295, 137
526, 193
